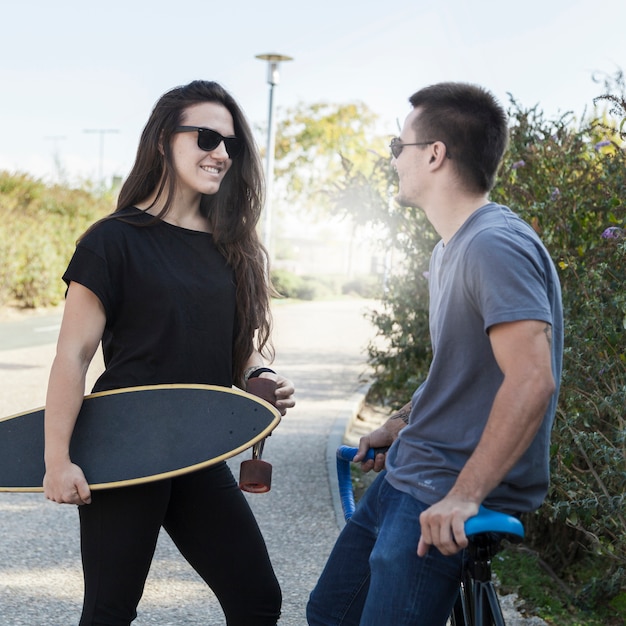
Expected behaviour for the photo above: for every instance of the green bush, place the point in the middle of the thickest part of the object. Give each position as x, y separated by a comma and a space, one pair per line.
291, 285
363, 286
402, 360
40, 225
569, 184
320, 286
286, 283
309, 289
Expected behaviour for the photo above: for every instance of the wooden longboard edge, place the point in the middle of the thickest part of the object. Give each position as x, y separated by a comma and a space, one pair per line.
233, 390
171, 474
179, 472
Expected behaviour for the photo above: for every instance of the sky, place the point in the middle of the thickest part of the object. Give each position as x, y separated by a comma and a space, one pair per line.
69, 66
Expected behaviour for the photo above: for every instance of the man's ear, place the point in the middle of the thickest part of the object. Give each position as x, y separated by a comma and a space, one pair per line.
439, 152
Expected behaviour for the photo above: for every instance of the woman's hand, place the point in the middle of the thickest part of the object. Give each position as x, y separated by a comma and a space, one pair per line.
282, 397
65, 483
284, 393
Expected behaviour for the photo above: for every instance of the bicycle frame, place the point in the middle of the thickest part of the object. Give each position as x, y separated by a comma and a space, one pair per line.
477, 603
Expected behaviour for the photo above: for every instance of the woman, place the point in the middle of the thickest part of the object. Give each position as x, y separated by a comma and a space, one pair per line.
174, 284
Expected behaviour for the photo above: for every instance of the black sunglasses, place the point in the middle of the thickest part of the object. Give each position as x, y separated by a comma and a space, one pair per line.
209, 139
396, 146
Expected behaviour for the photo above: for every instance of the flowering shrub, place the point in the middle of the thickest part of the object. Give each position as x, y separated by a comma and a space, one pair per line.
572, 189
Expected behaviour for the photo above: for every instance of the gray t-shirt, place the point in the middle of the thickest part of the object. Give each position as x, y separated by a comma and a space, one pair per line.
493, 270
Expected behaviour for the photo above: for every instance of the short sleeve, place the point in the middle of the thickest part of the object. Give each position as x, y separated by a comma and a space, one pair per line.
92, 270
507, 278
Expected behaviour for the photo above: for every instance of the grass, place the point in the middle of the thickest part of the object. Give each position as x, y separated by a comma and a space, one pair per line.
521, 571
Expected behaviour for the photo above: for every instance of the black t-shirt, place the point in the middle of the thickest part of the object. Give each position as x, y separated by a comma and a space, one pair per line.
169, 299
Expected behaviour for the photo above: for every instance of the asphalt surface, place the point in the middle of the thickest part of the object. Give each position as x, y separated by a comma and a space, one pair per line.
321, 347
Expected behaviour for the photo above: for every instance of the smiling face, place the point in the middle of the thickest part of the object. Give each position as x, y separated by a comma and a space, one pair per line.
198, 171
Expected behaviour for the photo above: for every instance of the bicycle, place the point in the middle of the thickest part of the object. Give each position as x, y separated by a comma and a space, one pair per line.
477, 603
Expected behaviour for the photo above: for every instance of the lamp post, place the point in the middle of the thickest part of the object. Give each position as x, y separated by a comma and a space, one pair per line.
273, 78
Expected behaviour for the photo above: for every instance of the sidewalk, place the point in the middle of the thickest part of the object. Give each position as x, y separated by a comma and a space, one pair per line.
321, 347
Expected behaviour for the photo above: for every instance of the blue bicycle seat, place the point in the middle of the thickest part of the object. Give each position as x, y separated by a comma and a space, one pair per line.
488, 521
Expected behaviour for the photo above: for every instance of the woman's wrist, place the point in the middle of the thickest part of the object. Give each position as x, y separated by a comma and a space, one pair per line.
255, 371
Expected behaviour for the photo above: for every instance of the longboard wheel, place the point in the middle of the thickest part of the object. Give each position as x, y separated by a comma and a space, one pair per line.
264, 388
255, 476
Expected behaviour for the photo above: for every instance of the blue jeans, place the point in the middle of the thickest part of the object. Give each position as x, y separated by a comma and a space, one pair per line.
374, 576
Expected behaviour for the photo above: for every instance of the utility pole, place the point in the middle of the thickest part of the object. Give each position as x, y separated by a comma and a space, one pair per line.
102, 132
56, 158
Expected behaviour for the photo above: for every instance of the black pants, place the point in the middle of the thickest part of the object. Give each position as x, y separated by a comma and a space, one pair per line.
209, 520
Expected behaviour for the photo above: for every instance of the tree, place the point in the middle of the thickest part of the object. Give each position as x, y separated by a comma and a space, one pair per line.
401, 361
313, 145
313, 140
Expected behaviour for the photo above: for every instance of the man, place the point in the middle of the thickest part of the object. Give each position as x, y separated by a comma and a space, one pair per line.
477, 430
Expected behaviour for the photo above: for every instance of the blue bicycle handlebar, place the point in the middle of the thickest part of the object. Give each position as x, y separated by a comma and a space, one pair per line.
487, 521
345, 455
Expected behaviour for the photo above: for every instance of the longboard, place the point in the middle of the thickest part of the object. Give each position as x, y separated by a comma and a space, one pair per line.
139, 434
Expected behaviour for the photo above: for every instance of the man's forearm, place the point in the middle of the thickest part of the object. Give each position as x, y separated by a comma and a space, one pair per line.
398, 420
403, 413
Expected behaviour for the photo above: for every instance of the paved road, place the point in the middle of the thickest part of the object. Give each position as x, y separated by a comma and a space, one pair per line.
320, 346
21, 331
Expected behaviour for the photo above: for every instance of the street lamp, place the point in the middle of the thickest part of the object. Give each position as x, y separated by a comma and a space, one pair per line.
273, 78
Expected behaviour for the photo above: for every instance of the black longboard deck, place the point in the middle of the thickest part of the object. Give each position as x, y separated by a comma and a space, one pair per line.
139, 434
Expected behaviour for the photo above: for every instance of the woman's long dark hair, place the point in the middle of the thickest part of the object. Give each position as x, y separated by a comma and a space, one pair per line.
233, 211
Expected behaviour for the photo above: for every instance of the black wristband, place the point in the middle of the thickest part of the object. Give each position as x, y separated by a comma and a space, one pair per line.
259, 371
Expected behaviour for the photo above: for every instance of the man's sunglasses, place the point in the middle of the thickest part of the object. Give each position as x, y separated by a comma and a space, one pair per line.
396, 146
209, 139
